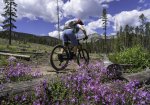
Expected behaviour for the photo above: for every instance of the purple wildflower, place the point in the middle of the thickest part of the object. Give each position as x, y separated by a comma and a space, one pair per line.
23, 97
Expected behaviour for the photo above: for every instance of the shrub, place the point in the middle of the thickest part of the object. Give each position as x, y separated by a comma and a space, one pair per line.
136, 56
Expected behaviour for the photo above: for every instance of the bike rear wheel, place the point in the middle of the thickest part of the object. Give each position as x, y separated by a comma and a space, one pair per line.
58, 60
83, 57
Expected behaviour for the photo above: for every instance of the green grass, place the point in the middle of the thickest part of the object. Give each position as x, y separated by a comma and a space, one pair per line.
20, 46
3, 61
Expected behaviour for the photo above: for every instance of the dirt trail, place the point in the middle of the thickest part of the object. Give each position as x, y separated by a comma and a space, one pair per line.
42, 63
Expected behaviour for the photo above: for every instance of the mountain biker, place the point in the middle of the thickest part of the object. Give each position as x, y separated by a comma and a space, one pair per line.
69, 33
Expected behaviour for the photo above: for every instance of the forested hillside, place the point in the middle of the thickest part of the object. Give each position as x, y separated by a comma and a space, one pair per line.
25, 37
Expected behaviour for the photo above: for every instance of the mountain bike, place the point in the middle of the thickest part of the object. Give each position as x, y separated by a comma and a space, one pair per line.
59, 61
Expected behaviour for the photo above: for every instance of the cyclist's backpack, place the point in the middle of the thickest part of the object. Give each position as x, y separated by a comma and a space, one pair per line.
70, 25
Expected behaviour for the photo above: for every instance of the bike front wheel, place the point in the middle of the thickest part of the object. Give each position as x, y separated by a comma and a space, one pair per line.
83, 57
59, 60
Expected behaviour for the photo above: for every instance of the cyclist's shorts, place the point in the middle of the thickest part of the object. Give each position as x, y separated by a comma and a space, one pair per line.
69, 35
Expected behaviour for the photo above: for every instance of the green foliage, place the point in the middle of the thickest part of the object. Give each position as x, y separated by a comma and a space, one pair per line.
3, 61
8, 48
136, 56
58, 91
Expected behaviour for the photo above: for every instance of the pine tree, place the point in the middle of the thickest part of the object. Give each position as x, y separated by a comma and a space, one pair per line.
142, 19
147, 29
104, 19
147, 35
10, 17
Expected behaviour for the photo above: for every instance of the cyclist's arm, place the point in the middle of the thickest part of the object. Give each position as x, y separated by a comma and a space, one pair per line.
83, 29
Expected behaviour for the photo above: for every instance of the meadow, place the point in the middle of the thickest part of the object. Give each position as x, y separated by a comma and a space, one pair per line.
87, 85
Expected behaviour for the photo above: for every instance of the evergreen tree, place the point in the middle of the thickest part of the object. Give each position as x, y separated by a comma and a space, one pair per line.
10, 17
147, 35
126, 30
143, 22
104, 19
142, 19
147, 29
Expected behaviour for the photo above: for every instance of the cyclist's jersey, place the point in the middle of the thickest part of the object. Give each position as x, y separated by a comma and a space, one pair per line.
76, 29
72, 25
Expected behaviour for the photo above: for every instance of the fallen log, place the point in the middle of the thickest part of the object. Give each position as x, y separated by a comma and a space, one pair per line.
117, 70
22, 52
142, 77
26, 57
126, 66
23, 86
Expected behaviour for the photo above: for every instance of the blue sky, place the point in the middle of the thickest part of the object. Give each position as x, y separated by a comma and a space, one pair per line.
40, 16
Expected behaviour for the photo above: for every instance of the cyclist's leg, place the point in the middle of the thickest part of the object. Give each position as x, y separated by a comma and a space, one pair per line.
65, 40
74, 42
69, 33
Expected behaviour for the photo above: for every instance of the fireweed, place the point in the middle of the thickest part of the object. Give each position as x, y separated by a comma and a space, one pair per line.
89, 85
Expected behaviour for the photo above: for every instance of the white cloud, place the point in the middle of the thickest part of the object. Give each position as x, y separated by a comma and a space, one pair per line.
107, 1
47, 9
138, 8
82, 8
105, 5
89, 30
1, 11
141, 1
95, 24
34, 9
85, 8
129, 17
1, 19
113, 33
147, 14
90, 27
55, 34
1, 29
98, 24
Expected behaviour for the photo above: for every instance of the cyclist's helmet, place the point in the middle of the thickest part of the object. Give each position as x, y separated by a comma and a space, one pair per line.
79, 21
